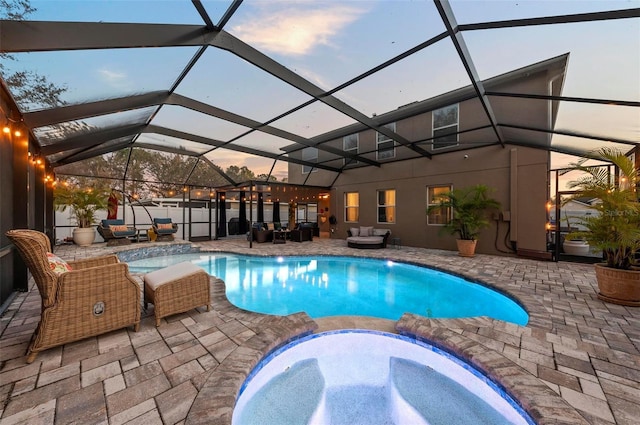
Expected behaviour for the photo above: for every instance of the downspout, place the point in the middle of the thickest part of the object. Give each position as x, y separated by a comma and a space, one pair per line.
513, 199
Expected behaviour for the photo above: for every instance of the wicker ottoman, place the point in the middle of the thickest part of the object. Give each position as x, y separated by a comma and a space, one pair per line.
176, 289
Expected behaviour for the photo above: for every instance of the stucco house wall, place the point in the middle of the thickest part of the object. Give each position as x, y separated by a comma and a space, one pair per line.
518, 171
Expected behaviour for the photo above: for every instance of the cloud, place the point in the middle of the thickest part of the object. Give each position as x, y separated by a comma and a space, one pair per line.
115, 79
296, 31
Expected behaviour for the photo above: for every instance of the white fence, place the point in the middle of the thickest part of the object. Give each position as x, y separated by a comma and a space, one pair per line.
200, 224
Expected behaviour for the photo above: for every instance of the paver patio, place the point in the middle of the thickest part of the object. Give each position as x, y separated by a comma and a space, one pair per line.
186, 371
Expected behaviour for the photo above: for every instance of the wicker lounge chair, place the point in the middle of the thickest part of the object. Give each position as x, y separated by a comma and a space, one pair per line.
164, 228
98, 295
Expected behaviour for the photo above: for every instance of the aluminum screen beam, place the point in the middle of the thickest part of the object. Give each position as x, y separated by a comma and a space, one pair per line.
449, 20
91, 139
86, 110
231, 44
550, 20
220, 144
214, 111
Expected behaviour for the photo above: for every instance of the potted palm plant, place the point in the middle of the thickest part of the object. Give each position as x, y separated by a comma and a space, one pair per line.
615, 228
83, 205
470, 208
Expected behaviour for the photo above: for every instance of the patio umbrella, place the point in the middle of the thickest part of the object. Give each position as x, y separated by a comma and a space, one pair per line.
276, 211
112, 206
222, 222
242, 216
260, 208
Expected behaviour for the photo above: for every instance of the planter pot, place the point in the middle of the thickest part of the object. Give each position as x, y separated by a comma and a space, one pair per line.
575, 247
618, 286
466, 248
84, 236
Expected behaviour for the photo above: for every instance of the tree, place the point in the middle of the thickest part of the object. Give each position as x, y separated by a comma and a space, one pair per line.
30, 89
240, 174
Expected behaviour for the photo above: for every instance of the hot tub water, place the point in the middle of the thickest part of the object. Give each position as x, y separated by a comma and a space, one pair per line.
368, 377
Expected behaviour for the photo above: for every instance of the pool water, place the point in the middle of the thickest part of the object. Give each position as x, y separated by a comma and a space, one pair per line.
356, 377
330, 286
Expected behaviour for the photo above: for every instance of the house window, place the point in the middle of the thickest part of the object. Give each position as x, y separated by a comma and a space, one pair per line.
386, 147
438, 215
445, 127
309, 155
350, 145
386, 206
351, 206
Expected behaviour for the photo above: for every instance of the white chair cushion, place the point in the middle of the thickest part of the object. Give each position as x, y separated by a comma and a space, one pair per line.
168, 274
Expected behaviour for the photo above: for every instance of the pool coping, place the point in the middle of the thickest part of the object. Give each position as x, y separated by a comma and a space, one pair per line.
534, 396
221, 390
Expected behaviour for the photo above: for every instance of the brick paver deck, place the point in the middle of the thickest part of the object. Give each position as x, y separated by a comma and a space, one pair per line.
577, 360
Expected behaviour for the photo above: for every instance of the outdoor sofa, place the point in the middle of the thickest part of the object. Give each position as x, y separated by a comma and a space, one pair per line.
366, 237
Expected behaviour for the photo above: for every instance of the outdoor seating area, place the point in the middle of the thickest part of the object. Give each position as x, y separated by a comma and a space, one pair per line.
264, 232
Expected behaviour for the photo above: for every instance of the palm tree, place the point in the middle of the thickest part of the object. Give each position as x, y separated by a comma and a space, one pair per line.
470, 208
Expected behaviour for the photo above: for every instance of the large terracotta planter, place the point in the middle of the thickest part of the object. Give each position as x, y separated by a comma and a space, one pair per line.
466, 248
618, 286
84, 236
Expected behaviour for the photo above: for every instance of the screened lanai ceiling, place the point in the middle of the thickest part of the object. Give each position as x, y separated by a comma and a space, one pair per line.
247, 83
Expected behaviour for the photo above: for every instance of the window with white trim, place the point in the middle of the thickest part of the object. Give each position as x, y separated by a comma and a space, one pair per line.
445, 127
386, 147
437, 216
309, 155
351, 207
387, 206
350, 144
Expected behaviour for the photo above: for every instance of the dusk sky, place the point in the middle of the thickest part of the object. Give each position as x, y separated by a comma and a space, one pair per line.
330, 42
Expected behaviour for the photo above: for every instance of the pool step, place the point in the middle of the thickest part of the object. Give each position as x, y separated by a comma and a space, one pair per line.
439, 399
288, 398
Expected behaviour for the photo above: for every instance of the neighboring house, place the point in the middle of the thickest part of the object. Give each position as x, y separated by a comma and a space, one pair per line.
389, 185
573, 211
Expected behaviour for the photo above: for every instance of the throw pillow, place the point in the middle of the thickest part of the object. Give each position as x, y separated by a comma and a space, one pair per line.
355, 231
118, 227
164, 226
57, 264
270, 226
366, 231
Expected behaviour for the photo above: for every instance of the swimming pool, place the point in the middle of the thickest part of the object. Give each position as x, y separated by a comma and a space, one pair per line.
328, 286
369, 377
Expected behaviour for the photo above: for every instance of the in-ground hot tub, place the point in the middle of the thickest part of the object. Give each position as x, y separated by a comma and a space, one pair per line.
369, 377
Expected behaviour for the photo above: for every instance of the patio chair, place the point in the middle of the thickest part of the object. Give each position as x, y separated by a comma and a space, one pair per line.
261, 234
115, 232
80, 298
164, 228
302, 233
